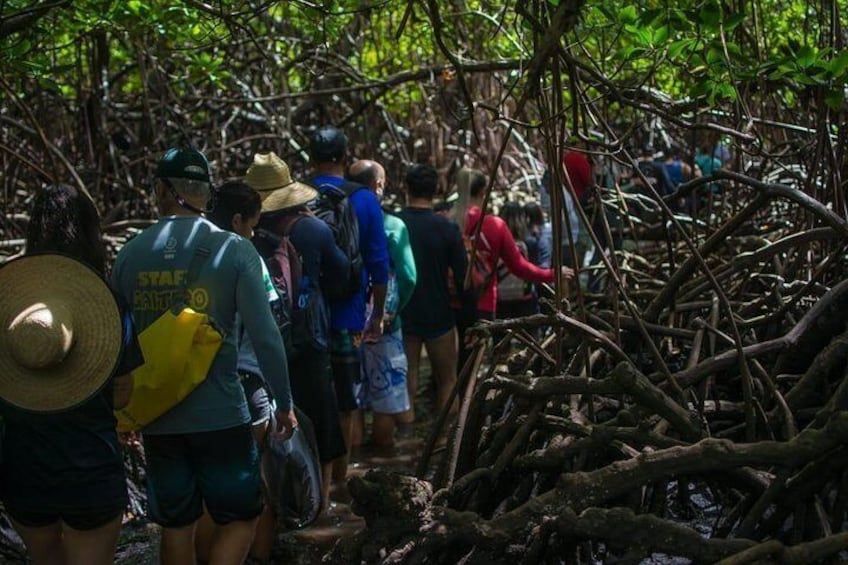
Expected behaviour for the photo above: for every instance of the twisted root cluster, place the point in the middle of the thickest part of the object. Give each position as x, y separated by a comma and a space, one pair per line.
696, 408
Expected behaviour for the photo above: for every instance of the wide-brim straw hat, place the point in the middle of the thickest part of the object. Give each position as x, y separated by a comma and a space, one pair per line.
271, 178
61, 333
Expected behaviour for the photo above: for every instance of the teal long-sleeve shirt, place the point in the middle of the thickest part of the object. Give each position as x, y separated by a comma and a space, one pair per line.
149, 273
402, 261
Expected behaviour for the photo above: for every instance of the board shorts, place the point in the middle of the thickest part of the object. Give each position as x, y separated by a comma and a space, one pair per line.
344, 360
82, 520
384, 370
218, 469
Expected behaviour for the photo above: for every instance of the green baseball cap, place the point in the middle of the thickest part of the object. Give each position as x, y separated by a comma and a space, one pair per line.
188, 164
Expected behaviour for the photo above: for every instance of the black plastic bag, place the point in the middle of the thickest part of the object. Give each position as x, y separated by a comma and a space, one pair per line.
293, 473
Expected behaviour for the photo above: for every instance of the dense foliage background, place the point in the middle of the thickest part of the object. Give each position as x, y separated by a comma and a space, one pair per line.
707, 355
102, 87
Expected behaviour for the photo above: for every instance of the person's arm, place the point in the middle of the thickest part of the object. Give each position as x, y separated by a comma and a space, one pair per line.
122, 392
252, 305
131, 359
404, 262
515, 262
375, 256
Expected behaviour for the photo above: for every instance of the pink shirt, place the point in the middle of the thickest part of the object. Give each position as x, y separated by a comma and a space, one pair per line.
504, 248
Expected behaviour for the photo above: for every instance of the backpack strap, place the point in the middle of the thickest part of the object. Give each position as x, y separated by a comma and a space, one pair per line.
201, 253
345, 189
349, 187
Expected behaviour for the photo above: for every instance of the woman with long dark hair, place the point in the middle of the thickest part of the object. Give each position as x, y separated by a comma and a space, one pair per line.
516, 296
237, 208
63, 482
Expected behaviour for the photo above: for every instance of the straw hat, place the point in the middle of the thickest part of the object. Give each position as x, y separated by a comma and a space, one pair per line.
270, 177
60, 332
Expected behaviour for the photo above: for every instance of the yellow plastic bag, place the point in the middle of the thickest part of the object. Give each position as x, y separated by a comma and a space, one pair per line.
178, 349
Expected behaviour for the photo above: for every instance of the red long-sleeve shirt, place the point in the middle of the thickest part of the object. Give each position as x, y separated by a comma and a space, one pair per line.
503, 247
579, 171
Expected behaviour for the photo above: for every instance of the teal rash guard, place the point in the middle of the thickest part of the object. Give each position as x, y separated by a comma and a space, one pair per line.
149, 273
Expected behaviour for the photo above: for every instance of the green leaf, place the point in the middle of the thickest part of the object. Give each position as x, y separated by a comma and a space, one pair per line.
734, 21
660, 35
715, 56
20, 48
839, 64
554, 3
806, 56
628, 14
835, 99
710, 16
676, 48
632, 52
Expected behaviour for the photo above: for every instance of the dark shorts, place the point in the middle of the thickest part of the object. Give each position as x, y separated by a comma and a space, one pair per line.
344, 360
78, 520
313, 392
258, 399
218, 468
426, 335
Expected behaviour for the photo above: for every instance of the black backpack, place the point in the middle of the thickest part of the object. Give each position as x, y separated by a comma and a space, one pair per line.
334, 208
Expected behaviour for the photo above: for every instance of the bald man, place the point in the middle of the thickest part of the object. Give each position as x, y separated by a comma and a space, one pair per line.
384, 364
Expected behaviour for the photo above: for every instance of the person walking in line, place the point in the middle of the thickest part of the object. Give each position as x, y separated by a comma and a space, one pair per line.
67, 352
384, 365
202, 451
501, 247
516, 297
428, 318
327, 150
237, 208
285, 213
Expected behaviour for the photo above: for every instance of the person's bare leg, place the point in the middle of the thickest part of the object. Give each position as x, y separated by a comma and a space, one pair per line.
232, 542
442, 352
177, 546
357, 428
203, 533
326, 480
412, 348
383, 430
91, 547
263, 541
44, 544
346, 419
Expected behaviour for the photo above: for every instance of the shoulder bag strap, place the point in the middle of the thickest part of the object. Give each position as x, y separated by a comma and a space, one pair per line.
201, 253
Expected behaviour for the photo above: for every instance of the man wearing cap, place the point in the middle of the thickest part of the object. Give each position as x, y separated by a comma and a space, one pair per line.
327, 148
202, 451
